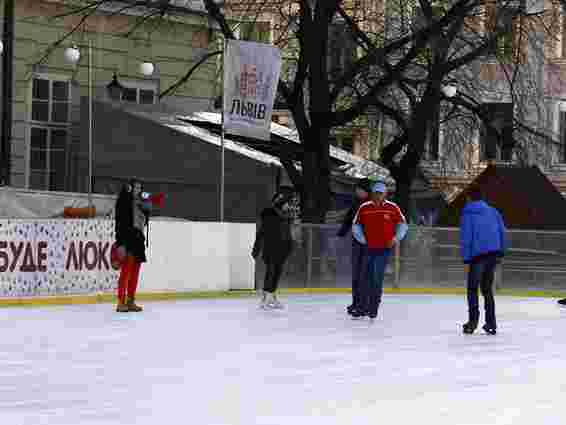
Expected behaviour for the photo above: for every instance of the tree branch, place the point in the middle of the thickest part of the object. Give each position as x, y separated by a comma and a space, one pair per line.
189, 73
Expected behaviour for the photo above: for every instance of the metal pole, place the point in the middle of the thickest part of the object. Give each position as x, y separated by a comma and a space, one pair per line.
222, 170
7, 91
90, 124
222, 166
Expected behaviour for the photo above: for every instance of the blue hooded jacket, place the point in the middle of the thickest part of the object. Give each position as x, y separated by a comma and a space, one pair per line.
482, 231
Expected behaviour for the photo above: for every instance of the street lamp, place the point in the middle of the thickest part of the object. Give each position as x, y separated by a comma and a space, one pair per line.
115, 88
72, 56
147, 69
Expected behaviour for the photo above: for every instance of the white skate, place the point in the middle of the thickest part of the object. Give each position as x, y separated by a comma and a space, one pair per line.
273, 303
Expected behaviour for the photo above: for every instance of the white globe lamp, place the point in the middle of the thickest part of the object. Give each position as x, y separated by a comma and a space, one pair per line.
449, 91
72, 55
147, 69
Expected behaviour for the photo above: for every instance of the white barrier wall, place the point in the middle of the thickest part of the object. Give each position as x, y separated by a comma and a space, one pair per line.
60, 257
199, 256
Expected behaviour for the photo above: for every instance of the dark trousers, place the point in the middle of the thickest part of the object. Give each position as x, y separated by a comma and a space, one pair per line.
359, 271
273, 272
372, 288
481, 275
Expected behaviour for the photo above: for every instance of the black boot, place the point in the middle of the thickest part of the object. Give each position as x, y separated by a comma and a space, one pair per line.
132, 306
562, 301
489, 330
469, 327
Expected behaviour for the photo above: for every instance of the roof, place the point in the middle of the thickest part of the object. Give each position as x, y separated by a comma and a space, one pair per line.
206, 127
524, 195
287, 139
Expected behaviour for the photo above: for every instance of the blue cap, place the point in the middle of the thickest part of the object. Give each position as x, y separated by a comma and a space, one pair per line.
379, 187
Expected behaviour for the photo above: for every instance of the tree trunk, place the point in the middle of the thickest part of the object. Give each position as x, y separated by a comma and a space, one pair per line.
316, 176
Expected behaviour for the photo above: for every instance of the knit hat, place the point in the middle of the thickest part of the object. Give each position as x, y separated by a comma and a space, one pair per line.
379, 187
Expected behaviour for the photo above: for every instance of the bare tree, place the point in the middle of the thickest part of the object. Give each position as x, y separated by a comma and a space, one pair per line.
403, 52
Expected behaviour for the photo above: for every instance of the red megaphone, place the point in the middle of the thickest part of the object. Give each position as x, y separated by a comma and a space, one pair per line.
157, 199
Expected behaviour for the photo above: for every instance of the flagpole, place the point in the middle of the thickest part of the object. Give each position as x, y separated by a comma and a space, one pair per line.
222, 168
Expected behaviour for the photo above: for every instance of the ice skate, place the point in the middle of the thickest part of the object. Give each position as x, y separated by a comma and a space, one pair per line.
263, 300
273, 303
562, 302
132, 306
489, 330
358, 314
469, 328
122, 308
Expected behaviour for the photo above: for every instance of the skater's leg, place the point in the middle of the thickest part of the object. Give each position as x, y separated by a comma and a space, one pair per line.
376, 286
133, 286
364, 286
125, 272
359, 272
474, 276
268, 282
277, 272
486, 285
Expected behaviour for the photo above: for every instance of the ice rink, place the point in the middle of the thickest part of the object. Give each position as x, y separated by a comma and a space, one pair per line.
225, 362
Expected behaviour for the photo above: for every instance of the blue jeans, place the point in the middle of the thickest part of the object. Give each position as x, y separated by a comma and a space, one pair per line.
373, 287
481, 275
359, 271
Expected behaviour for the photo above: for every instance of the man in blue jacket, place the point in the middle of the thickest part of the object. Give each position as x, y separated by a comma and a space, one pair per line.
482, 242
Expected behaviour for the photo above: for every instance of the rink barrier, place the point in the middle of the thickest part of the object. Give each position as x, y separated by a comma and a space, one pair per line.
428, 257
57, 257
192, 295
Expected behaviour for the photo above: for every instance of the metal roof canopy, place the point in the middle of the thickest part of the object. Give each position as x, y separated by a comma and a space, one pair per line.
284, 140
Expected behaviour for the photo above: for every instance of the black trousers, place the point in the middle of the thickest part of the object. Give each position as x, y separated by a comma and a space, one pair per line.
273, 272
359, 272
481, 275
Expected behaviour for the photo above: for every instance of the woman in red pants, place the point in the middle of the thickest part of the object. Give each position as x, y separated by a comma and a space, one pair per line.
132, 216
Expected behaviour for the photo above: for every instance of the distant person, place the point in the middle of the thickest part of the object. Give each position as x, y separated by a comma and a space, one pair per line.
359, 250
482, 242
274, 241
132, 217
381, 225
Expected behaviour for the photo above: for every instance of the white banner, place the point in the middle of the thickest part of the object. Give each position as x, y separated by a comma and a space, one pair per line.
56, 257
251, 76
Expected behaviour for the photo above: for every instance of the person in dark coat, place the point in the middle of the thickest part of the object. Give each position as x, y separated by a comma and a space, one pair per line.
482, 242
359, 251
275, 243
131, 219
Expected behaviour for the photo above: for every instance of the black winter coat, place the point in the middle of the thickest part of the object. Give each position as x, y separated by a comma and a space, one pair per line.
125, 232
273, 238
349, 218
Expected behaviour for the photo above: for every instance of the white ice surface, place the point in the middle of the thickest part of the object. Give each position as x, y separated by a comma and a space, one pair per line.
224, 362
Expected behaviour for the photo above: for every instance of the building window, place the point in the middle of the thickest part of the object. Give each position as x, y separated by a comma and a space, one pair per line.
50, 101
260, 32
47, 158
504, 18
496, 141
49, 133
142, 96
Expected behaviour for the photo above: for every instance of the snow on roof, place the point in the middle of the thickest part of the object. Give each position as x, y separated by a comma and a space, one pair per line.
209, 137
356, 166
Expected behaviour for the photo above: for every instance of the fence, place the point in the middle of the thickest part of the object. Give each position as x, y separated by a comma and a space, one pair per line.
428, 257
